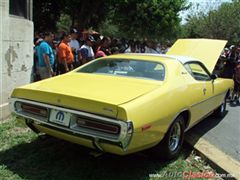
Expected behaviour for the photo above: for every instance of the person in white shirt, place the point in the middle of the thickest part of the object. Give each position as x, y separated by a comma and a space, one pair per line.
151, 48
86, 53
132, 48
74, 44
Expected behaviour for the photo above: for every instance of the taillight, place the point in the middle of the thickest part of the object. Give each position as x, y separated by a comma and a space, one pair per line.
94, 125
37, 110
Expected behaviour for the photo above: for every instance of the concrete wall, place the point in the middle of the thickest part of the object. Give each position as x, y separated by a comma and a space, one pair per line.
16, 54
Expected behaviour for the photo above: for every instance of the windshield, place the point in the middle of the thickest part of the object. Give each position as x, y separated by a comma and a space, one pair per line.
126, 67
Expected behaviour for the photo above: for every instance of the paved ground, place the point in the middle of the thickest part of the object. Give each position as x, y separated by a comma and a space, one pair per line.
219, 139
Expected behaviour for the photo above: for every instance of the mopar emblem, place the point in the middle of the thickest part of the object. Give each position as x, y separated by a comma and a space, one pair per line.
60, 116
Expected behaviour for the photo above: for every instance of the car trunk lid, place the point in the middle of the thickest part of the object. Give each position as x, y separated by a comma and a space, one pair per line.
100, 94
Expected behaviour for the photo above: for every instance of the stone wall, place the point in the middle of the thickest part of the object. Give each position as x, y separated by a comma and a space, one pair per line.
16, 54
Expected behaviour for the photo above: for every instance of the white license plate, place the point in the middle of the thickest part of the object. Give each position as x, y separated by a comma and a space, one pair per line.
60, 117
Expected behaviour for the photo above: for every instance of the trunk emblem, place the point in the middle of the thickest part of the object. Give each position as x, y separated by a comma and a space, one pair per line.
60, 116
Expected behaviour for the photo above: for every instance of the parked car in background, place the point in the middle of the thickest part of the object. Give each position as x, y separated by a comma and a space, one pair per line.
126, 103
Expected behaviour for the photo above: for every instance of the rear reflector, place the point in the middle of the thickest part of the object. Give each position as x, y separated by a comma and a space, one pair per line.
40, 111
94, 125
146, 126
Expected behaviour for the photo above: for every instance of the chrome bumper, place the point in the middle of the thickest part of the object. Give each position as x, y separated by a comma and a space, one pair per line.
123, 138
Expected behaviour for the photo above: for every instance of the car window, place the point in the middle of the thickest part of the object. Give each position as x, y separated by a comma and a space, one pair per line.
197, 71
126, 67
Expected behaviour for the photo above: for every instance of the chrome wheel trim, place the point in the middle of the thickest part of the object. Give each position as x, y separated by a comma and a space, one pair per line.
223, 106
175, 137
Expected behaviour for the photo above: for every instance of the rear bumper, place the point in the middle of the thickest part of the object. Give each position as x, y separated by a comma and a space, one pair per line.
135, 145
87, 142
114, 143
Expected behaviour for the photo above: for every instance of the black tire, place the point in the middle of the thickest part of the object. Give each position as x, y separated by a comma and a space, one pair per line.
221, 110
170, 147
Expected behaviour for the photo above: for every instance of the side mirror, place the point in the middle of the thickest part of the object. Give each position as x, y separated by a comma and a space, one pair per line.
214, 76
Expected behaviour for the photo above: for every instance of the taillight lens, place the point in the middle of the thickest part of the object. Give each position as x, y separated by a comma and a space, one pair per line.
37, 110
94, 125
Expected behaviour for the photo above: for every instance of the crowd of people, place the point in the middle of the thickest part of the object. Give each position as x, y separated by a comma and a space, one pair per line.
230, 68
54, 55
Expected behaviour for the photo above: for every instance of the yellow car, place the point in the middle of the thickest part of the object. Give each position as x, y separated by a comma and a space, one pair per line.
126, 103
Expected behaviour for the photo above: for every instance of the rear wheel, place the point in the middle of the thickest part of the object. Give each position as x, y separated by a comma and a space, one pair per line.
171, 145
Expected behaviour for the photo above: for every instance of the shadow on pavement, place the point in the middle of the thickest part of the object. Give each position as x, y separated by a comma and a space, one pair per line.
203, 127
52, 158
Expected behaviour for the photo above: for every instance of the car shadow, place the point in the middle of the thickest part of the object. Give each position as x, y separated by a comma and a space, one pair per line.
51, 158
200, 129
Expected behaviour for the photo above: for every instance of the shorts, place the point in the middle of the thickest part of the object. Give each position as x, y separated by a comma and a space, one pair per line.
62, 69
44, 73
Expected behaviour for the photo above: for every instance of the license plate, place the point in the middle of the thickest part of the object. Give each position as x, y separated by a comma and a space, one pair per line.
60, 117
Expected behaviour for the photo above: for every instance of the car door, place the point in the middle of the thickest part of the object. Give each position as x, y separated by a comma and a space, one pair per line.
202, 90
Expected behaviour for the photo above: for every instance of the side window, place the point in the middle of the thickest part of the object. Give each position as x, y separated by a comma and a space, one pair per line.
197, 71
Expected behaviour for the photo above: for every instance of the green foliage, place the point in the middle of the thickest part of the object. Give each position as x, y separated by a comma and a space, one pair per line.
64, 23
127, 18
148, 18
107, 28
45, 14
223, 23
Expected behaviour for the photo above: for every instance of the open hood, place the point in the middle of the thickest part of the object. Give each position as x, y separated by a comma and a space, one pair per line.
205, 50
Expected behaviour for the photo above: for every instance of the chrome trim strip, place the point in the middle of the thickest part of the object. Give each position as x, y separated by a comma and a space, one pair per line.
185, 109
198, 121
181, 59
95, 135
208, 99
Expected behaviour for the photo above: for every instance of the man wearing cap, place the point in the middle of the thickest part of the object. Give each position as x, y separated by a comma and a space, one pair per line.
74, 44
86, 51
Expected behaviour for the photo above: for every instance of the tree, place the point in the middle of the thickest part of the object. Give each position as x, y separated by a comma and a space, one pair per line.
133, 18
148, 18
223, 23
83, 13
87, 13
64, 23
45, 14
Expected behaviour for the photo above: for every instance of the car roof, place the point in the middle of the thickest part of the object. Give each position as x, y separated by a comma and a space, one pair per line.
181, 59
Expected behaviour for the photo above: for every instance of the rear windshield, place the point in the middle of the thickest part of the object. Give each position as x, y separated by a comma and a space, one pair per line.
126, 67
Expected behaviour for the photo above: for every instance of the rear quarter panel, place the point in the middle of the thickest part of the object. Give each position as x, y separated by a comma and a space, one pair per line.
158, 108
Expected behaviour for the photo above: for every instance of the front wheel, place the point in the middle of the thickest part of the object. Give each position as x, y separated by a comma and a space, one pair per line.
171, 145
